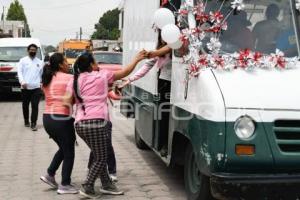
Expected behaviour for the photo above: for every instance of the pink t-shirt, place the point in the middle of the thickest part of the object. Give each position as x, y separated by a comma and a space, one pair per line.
93, 89
54, 93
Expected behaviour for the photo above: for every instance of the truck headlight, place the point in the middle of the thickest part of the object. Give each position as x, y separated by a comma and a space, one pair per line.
244, 127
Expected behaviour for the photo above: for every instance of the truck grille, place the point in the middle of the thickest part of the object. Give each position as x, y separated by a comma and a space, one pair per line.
287, 133
9, 79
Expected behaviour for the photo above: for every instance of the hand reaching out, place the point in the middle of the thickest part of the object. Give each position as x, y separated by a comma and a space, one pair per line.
141, 55
24, 85
124, 83
149, 54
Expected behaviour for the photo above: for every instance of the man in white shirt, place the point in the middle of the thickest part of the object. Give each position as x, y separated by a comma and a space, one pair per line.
30, 70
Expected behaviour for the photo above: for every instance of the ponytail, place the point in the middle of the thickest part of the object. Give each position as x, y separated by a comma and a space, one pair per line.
51, 68
81, 65
47, 75
75, 85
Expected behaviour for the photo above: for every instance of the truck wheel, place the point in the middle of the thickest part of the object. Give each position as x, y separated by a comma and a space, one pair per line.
197, 185
140, 144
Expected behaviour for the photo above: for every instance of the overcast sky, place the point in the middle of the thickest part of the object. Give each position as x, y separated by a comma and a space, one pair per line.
54, 20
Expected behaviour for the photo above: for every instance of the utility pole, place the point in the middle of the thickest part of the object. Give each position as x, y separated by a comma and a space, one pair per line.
2, 16
80, 33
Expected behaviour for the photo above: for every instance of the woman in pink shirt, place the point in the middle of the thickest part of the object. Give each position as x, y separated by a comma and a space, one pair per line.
58, 122
92, 124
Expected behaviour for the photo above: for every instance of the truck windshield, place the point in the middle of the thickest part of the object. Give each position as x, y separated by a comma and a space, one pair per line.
73, 53
14, 54
264, 26
108, 58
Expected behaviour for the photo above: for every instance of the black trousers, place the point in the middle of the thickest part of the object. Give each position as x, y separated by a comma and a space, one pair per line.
164, 89
61, 129
33, 97
111, 158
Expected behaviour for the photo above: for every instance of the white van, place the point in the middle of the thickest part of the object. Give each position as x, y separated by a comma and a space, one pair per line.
236, 132
11, 51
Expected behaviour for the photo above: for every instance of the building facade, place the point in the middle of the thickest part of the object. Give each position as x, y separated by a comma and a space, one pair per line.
13, 29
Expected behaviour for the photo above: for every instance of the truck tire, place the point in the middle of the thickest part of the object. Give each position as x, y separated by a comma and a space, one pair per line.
197, 185
140, 144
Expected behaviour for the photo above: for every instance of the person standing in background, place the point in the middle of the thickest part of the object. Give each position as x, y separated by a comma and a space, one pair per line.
30, 70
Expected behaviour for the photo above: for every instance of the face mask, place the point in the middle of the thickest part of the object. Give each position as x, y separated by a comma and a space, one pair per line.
32, 54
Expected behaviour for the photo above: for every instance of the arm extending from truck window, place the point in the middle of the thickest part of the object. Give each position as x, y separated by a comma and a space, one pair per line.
143, 70
154, 55
129, 68
160, 52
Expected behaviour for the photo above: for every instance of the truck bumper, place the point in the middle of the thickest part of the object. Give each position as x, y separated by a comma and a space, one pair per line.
254, 186
9, 83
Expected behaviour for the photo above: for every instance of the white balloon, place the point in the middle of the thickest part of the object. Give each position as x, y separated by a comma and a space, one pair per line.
170, 33
163, 16
176, 45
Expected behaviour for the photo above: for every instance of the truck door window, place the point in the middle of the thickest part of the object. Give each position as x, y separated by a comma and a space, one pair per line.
264, 26
14, 54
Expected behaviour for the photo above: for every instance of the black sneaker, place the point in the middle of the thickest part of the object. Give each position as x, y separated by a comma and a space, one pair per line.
87, 191
111, 188
27, 124
33, 127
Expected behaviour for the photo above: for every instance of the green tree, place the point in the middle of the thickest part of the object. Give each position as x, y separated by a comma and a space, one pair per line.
108, 26
16, 13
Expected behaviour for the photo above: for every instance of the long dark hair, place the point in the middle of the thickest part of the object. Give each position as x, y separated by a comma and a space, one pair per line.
51, 68
160, 42
81, 65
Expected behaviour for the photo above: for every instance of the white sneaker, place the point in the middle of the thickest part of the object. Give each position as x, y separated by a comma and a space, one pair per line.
67, 189
113, 177
50, 180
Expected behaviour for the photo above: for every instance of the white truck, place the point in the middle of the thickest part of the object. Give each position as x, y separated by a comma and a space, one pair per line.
237, 132
11, 51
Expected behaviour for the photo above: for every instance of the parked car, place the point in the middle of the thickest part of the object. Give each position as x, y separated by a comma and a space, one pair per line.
111, 61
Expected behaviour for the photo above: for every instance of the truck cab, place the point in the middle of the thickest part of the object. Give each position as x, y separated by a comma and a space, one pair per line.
235, 129
73, 48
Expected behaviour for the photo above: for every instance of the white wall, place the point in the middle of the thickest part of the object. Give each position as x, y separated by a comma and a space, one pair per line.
15, 27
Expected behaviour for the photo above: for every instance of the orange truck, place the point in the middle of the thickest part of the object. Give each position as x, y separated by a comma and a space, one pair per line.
72, 48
